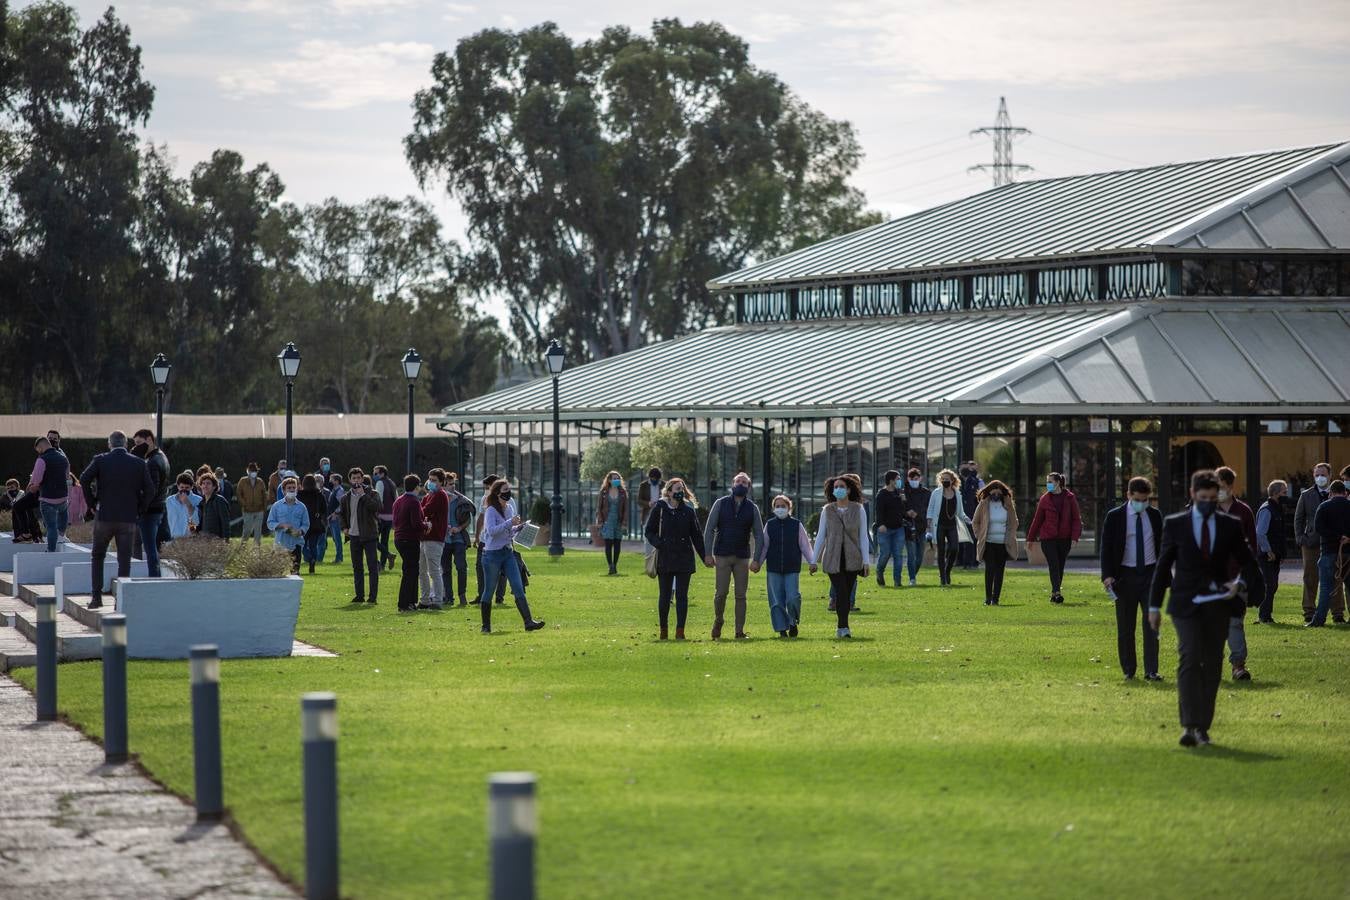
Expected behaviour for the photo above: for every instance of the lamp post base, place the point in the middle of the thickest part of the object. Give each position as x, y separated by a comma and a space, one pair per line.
555, 544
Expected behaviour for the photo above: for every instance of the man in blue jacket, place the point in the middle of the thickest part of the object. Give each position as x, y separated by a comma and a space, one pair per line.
118, 485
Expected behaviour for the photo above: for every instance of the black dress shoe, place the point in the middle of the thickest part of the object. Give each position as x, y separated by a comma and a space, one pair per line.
1202, 736
792, 632
535, 625
96, 603
485, 630
1313, 623
1129, 676
358, 599
371, 600
1189, 738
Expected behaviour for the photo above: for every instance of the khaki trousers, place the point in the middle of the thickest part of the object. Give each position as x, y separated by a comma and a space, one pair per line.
727, 568
1310, 580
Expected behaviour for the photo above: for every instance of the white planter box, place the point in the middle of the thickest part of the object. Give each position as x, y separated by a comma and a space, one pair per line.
241, 616
9, 549
40, 568
76, 577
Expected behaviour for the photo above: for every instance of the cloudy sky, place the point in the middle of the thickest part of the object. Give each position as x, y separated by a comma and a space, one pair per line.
321, 89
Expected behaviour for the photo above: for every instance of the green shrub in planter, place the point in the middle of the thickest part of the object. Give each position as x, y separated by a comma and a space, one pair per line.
197, 556
541, 511
248, 560
604, 457
667, 448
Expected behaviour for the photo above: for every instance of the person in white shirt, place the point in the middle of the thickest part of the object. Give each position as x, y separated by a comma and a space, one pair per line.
1131, 537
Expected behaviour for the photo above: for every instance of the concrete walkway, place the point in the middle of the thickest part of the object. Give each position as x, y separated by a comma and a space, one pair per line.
73, 828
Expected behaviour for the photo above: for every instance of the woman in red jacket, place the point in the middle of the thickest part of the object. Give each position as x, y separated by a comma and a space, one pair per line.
1057, 525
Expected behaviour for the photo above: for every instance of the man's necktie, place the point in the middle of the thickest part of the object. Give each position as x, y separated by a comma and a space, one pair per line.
1139, 540
1204, 538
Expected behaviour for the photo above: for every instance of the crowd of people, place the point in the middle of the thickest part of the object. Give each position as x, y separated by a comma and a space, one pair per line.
1216, 558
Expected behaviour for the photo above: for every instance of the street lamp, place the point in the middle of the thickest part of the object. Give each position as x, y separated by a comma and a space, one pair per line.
289, 360
555, 358
159, 372
412, 365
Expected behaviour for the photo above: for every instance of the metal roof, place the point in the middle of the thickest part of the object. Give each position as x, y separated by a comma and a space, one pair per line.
1108, 212
262, 427
1273, 354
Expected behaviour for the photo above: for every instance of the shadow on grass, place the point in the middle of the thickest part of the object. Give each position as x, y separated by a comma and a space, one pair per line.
1253, 685
355, 607
1237, 754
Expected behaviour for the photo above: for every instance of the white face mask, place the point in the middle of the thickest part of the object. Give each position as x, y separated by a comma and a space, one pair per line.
1223, 495
1321, 481
290, 495
781, 512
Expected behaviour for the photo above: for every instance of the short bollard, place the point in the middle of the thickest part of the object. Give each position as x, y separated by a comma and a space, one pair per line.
114, 688
205, 664
319, 736
46, 659
512, 825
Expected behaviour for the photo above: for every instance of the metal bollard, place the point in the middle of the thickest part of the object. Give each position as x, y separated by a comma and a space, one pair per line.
114, 688
512, 826
205, 667
46, 659
319, 740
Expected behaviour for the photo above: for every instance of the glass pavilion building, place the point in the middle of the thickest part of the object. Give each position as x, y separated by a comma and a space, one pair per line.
1141, 322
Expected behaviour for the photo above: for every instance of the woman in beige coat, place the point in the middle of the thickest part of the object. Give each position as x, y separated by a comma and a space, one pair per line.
995, 529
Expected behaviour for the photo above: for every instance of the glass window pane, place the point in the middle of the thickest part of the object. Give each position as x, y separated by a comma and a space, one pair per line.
1258, 277
1291, 458
1189, 453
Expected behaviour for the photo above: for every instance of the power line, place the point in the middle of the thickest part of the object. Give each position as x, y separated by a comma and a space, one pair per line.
909, 150
1133, 162
1004, 170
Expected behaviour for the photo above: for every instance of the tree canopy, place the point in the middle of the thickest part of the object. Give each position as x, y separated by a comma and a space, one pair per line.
605, 182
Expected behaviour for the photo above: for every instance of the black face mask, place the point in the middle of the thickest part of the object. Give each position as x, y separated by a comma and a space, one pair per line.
505, 495
997, 498
1206, 507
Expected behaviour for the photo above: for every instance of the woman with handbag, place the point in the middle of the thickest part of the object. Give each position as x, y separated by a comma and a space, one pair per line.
612, 516
677, 540
841, 547
788, 547
945, 517
995, 528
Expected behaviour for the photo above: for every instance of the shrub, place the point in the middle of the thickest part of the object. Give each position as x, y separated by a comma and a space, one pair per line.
80, 533
248, 560
668, 448
813, 523
197, 556
541, 511
604, 457
6, 521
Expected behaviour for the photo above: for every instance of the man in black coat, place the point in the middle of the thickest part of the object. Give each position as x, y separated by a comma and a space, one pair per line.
1201, 544
118, 485
1131, 542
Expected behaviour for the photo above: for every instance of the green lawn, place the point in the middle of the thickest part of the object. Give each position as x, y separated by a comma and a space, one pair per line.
950, 749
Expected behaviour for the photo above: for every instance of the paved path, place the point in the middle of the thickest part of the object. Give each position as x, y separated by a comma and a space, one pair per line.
73, 828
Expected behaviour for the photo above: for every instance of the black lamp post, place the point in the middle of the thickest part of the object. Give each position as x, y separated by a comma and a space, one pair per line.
555, 358
412, 365
159, 372
289, 360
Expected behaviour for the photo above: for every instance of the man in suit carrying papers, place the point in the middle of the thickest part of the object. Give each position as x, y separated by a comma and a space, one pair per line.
1200, 544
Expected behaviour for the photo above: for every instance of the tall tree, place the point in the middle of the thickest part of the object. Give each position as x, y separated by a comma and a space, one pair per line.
605, 183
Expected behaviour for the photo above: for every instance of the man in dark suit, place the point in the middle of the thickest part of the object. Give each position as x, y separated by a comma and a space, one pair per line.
1130, 545
1201, 544
119, 486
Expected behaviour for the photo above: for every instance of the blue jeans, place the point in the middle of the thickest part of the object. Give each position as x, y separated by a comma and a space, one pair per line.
335, 534
914, 554
785, 600
496, 562
320, 546
1326, 586
55, 518
148, 525
891, 544
311, 552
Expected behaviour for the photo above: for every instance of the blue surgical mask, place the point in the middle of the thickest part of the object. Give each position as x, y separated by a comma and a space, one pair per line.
914, 482
1138, 506
740, 490
1050, 486
781, 512
326, 467
433, 487
840, 493
616, 482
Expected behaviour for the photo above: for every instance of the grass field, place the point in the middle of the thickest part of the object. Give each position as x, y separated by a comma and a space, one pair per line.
948, 750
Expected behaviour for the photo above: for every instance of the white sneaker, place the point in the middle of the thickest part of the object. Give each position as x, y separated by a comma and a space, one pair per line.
843, 633
913, 583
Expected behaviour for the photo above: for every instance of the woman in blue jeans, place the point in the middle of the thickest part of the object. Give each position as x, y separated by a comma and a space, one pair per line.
788, 547
498, 557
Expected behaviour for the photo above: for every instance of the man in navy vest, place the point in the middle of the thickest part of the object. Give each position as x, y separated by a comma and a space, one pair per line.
733, 522
49, 483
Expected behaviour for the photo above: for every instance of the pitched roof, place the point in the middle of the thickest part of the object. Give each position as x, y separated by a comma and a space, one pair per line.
1108, 212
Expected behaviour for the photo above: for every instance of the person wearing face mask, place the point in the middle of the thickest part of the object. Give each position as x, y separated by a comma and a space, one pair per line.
488, 482
454, 552
1130, 542
214, 510
253, 502
841, 547
672, 529
945, 510
409, 527
995, 530
917, 497
501, 523
288, 520
334, 527
1333, 531
787, 546
435, 511
1199, 548
1270, 546
151, 528
11, 494
891, 506
1305, 532
181, 508
611, 514
226, 485
649, 493
1230, 504
317, 509
360, 519
274, 480
1057, 526
733, 522
50, 483
384, 490
325, 467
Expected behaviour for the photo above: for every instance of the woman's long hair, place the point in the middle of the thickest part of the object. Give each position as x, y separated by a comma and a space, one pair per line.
494, 495
854, 486
609, 483
996, 485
